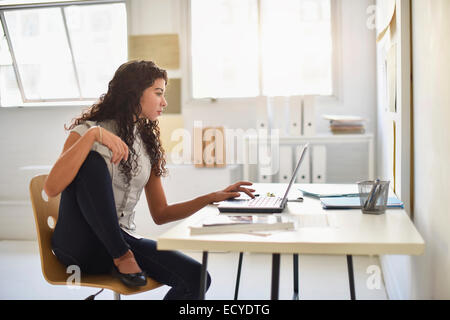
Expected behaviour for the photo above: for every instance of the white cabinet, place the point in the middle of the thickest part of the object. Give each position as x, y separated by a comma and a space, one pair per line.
322, 163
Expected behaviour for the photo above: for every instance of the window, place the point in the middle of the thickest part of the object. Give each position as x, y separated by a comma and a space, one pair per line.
224, 45
247, 48
60, 52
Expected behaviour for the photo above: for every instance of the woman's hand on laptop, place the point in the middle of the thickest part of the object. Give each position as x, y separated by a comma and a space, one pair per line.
232, 191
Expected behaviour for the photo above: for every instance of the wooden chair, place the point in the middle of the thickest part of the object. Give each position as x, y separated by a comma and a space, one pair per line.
46, 215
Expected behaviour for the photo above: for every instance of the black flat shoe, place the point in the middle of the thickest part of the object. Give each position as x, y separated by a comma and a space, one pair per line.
130, 279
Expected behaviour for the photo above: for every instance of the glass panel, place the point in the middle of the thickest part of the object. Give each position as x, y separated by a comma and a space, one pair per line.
5, 55
98, 35
9, 90
46, 74
224, 43
296, 47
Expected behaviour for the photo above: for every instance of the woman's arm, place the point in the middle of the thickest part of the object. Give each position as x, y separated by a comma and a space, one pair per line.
76, 149
163, 213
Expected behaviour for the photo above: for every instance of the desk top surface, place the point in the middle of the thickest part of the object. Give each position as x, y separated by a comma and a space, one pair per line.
317, 231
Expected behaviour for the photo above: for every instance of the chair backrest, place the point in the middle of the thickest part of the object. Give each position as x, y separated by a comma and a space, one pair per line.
45, 215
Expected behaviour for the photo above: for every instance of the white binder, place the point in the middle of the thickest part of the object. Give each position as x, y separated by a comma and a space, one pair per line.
319, 164
262, 119
309, 119
279, 114
264, 174
304, 173
295, 116
286, 169
268, 158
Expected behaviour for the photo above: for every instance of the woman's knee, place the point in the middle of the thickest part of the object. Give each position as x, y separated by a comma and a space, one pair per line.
94, 164
94, 159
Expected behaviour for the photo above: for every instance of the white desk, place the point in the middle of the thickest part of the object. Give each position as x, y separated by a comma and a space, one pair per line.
345, 232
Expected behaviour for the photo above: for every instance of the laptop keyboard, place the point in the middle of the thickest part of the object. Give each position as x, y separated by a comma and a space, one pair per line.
264, 202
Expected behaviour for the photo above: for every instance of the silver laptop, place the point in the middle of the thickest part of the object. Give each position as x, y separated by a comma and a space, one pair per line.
261, 204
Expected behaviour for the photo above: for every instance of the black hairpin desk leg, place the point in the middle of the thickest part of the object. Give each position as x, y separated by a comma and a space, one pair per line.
203, 276
351, 278
275, 276
295, 297
238, 277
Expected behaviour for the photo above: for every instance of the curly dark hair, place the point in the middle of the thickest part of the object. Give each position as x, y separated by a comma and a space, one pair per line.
122, 104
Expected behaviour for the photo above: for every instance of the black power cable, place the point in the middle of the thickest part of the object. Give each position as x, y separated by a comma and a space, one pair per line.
92, 297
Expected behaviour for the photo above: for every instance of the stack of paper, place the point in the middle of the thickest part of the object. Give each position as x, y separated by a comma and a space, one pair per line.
226, 224
345, 124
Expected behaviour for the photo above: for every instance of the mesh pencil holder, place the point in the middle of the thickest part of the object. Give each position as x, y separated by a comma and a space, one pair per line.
373, 196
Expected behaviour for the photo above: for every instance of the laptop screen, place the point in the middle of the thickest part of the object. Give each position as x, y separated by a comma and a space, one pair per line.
295, 173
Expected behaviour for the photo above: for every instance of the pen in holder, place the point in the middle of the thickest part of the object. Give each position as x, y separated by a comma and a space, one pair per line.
373, 196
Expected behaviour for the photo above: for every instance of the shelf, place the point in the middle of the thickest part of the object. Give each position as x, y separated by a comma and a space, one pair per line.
326, 138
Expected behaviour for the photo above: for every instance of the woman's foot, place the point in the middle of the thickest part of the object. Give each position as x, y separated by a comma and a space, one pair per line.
128, 271
127, 263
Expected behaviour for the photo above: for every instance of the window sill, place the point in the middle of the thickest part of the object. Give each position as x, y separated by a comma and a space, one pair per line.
332, 98
59, 104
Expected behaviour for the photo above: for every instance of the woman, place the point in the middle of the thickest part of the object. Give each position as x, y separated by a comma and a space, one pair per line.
112, 153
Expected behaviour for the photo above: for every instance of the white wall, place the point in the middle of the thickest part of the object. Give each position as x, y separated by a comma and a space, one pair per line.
427, 276
431, 65
35, 136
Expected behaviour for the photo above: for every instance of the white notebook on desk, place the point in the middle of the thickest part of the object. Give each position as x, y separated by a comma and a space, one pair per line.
239, 224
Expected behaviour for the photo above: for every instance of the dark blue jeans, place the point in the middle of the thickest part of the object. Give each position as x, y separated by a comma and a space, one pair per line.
88, 235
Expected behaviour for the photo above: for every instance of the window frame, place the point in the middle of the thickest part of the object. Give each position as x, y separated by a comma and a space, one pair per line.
12, 6
336, 65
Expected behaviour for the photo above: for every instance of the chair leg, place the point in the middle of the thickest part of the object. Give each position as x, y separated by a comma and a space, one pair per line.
116, 296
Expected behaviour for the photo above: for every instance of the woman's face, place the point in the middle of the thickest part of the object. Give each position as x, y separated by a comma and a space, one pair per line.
153, 101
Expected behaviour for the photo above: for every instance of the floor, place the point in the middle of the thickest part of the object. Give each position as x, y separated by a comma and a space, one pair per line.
320, 277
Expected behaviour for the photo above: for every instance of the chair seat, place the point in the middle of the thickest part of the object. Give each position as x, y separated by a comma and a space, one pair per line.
59, 276
56, 274
103, 281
